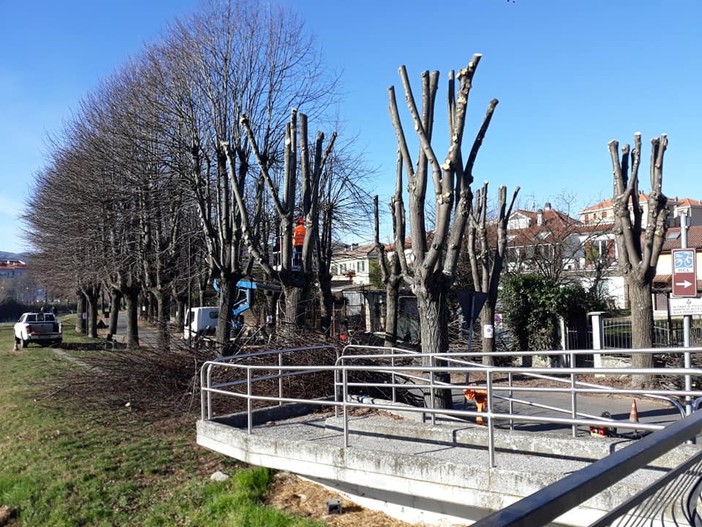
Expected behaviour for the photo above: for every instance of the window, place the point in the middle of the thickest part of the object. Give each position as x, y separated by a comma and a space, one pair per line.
543, 251
361, 266
515, 254
599, 251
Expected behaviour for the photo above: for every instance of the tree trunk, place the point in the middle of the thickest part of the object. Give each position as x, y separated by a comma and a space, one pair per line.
227, 296
180, 313
641, 329
392, 308
162, 321
294, 307
434, 336
487, 318
326, 303
115, 301
272, 298
81, 323
92, 297
132, 301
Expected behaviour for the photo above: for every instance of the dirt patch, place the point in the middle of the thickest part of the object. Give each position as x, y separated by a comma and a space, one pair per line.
309, 500
6, 515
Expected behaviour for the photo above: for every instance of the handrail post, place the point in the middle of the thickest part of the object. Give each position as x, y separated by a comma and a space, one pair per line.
280, 378
209, 393
573, 403
491, 422
337, 384
344, 374
202, 393
392, 377
432, 402
249, 403
511, 399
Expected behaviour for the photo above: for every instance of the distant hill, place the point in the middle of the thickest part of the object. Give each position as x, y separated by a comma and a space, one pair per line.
13, 256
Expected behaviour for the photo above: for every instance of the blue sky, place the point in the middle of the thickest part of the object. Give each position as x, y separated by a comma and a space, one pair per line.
570, 76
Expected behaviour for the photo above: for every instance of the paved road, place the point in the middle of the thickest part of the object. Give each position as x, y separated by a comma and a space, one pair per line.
649, 411
147, 333
551, 404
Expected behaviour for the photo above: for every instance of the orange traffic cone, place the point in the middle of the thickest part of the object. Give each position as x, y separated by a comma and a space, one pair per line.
634, 414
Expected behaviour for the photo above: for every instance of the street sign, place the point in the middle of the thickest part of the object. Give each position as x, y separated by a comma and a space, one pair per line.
684, 273
685, 306
471, 303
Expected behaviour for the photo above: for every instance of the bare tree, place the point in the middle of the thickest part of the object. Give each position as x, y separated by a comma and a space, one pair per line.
640, 234
486, 262
234, 59
344, 204
390, 268
61, 216
435, 254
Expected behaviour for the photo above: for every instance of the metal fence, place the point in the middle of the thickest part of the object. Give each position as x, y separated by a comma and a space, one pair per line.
617, 333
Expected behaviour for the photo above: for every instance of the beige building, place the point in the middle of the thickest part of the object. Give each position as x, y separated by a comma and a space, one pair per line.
352, 263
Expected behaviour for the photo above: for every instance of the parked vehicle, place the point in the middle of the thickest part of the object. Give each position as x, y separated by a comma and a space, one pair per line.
200, 321
41, 328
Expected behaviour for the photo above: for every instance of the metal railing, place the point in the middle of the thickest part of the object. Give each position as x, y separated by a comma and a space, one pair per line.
419, 373
210, 387
671, 500
568, 358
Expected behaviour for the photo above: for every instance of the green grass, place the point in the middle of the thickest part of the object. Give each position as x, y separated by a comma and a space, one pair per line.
66, 465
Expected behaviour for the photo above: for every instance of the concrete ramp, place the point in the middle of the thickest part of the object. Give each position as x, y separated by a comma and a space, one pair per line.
437, 474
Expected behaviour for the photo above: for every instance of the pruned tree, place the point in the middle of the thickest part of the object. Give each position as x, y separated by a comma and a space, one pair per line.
391, 277
639, 231
390, 268
435, 252
307, 174
486, 261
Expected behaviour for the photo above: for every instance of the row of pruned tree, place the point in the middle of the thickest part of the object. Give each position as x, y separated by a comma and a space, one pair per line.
191, 164
453, 220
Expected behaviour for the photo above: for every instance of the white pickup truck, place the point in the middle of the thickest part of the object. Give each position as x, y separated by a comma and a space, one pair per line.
42, 328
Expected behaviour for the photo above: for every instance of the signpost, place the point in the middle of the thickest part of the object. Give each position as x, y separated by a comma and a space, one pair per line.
685, 286
684, 273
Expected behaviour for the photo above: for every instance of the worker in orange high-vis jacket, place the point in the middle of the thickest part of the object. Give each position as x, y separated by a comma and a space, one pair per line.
299, 233
298, 241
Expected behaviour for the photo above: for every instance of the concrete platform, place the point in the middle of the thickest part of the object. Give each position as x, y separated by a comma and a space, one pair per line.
438, 474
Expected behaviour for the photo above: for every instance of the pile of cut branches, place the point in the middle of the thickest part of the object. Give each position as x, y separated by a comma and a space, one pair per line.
158, 384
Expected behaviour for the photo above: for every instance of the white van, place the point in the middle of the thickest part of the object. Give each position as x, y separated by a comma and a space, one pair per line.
200, 321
